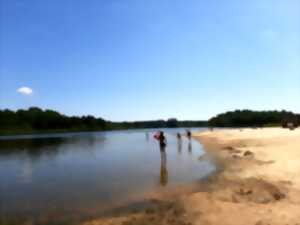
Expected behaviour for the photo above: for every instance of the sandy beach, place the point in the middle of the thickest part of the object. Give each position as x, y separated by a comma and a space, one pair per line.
258, 183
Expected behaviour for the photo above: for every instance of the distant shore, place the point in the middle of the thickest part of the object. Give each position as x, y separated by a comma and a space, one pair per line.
62, 131
258, 183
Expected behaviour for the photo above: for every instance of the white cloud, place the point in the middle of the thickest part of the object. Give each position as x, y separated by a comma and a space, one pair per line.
25, 91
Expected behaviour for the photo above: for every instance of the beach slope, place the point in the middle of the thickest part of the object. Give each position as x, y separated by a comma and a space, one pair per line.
259, 182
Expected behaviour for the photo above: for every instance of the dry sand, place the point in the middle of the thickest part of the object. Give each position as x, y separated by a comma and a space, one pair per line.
258, 184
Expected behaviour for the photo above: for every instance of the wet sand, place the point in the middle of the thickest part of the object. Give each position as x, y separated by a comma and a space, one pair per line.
258, 183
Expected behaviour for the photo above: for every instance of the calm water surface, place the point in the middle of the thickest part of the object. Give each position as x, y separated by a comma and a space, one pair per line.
77, 175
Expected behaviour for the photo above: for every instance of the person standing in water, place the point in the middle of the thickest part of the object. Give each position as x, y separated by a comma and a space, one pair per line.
163, 157
188, 134
161, 139
179, 143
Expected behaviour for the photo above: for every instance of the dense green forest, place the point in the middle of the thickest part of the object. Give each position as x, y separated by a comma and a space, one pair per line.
248, 118
37, 120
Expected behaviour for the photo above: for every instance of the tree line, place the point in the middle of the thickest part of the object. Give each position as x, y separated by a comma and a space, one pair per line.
248, 118
35, 119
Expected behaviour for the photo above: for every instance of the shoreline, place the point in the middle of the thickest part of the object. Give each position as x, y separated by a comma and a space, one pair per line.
258, 182
4, 136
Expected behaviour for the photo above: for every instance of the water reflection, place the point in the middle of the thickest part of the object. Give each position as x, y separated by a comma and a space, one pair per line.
35, 148
190, 147
163, 168
30, 145
90, 172
179, 145
26, 172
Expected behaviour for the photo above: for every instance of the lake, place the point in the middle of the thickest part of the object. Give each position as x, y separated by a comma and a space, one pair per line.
70, 176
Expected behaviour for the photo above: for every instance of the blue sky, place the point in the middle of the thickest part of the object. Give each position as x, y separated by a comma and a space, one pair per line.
138, 60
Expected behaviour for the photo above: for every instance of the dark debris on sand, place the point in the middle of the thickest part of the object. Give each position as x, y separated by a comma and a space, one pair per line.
163, 213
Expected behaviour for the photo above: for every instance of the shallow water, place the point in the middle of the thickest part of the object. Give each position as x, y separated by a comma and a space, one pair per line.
80, 175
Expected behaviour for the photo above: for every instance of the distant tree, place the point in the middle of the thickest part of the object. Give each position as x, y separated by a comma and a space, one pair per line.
172, 122
246, 118
35, 119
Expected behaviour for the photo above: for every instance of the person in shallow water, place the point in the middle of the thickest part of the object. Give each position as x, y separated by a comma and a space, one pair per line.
178, 136
189, 134
163, 158
179, 142
161, 139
